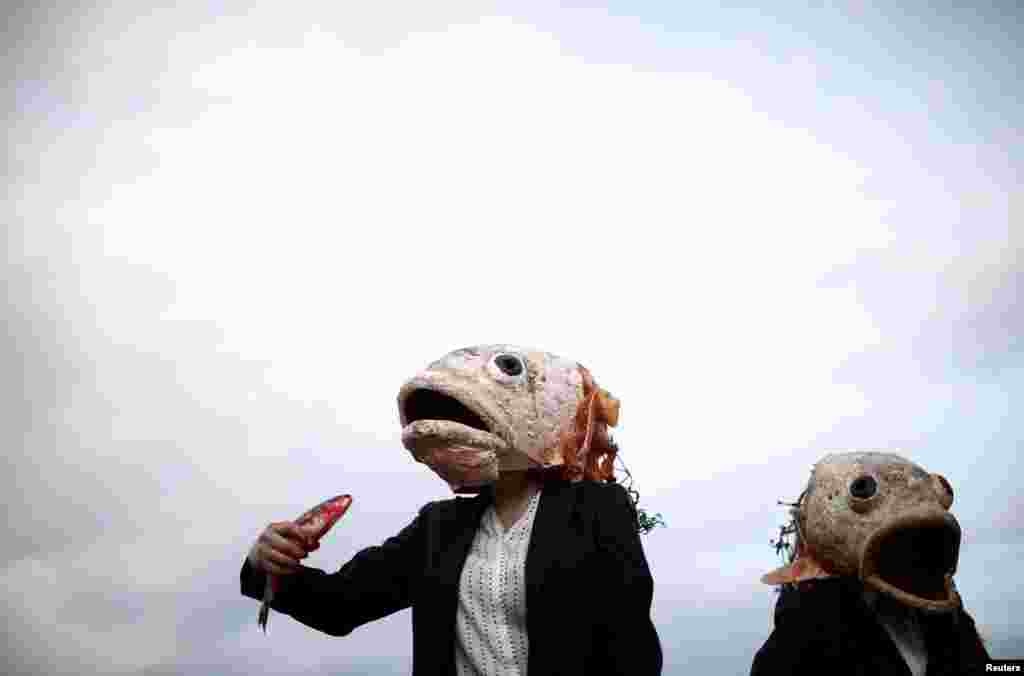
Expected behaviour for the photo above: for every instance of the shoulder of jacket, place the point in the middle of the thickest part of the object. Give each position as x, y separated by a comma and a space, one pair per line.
433, 506
609, 490
445, 507
829, 597
602, 494
591, 485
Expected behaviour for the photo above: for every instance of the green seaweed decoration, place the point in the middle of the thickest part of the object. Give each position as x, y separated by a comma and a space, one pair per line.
789, 534
645, 523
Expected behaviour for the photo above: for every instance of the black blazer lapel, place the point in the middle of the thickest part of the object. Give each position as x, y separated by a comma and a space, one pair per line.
454, 539
883, 650
547, 547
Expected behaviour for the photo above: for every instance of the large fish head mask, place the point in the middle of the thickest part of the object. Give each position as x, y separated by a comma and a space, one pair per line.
482, 410
883, 519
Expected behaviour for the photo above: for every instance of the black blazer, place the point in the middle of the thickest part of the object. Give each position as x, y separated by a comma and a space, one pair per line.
825, 627
588, 587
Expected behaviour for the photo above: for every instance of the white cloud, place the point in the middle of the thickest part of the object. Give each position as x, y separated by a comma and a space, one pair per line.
464, 187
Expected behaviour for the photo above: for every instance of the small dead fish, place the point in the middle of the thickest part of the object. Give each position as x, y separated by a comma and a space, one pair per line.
484, 409
314, 523
883, 519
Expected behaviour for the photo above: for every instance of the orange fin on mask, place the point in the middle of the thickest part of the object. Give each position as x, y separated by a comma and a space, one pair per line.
802, 569
608, 408
587, 450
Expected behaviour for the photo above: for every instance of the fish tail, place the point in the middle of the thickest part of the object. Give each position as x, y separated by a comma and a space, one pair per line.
264, 614
268, 595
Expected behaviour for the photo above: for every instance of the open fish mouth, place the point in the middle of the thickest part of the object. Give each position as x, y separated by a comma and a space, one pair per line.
428, 404
433, 417
913, 560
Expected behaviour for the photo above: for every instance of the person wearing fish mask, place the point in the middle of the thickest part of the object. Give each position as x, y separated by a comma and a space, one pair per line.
537, 569
870, 588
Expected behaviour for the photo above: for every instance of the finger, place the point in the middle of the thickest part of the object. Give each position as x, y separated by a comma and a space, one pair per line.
275, 541
268, 550
280, 558
295, 533
265, 562
267, 536
270, 540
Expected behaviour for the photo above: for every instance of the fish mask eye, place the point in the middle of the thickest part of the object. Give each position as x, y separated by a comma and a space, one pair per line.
509, 364
863, 487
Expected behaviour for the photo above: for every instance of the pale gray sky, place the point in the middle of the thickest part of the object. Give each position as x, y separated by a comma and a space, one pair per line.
235, 229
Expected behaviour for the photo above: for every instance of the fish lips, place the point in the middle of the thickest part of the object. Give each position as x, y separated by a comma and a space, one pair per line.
465, 457
913, 559
421, 436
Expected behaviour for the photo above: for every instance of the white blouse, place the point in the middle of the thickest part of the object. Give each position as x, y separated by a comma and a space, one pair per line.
491, 621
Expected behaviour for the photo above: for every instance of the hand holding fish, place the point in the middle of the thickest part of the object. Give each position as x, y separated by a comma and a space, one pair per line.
282, 545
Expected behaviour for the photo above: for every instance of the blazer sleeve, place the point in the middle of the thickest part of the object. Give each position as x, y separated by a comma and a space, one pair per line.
786, 649
375, 583
626, 590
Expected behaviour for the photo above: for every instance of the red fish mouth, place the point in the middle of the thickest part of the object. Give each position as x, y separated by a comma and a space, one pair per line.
913, 559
